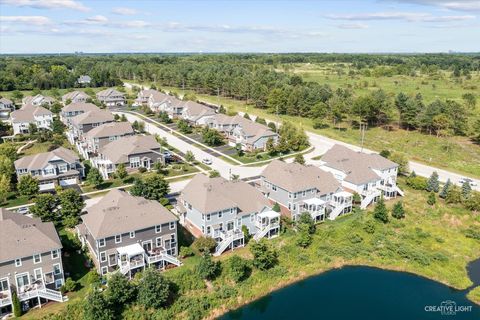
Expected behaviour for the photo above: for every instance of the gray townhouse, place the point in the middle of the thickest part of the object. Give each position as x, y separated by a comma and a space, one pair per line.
38, 100
143, 96
84, 122
196, 113
30, 262
84, 79
111, 98
59, 167
75, 97
6, 106
74, 109
368, 174
128, 233
218, 208
92, 141
298, 189
137, 151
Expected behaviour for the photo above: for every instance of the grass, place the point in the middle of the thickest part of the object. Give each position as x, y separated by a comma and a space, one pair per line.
474, 295
14, 200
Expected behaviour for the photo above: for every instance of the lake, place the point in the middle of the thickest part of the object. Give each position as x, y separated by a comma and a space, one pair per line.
361, 293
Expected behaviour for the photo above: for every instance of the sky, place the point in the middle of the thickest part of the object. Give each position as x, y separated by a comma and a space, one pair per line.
66, 26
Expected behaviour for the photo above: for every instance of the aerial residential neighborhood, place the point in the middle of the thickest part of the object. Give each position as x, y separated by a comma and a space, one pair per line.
239, 160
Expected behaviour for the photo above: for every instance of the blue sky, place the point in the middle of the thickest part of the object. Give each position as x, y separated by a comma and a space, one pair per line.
51, 26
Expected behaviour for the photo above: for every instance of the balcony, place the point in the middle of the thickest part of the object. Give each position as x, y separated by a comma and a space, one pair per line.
5, 298
131, 257
315, 207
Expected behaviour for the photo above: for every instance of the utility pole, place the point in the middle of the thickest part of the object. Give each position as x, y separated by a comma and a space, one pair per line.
363, 127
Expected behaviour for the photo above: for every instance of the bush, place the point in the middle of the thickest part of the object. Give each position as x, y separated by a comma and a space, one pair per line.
381, 212
92, 278
204, 244
207, 268
185, 252
417, 183
187, 280
369, 227
237, 268
398, 211
16, 305
70, 285
154, 291
264, 258
431, 200
142, 169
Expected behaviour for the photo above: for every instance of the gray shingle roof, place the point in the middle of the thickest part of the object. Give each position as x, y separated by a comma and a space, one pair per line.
28, 112
75, 94
118, 151
80, 106
40, 160
93, 116
110, 129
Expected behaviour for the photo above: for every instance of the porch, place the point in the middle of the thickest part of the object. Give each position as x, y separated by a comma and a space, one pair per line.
131, 257
268, 225
316, 207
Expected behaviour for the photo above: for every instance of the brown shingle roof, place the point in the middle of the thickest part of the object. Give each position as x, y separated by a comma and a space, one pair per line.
80, 106
93, 116
110, 129
40, 160
119, 212
118, 151
21, 236
75, 94
28, 112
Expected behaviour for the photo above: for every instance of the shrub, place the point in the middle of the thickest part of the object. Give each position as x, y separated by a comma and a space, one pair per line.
453, 195
381, 212
398, 211
187, 280
417, 182
70, 285
185, 252
142, 169
264, 258
431, 200
154, 291
237, 268
207, 268
17, 308
204, 244
369, 227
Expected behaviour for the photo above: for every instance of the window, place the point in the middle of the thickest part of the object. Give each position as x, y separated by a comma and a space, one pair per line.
203, 229
57, 270
101, 243
221, 225
208, 217
103, 256
4, 285
22, 280
118, 238
289, 195
220, 214
295, 195
203, 217
172, 225
112, 260
55, 254
37, 273
104, 270
158, 241
37, 258
172, 237
135, 162
239, 222
158, 228
208, 229
252, 218
58, 283
132, 234
231, 210
18, 262
304, 193
274, 187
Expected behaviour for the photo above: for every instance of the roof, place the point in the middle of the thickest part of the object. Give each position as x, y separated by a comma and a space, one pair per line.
80, 106
356, 165
118, 151
93, 116
21, 236
5, 101
253, 130
110, 129
131, 250
215, 194
295, 177
110, 92
28, 112
40, 160
75, 94
37, 99
119, 212
84, 78
196, 110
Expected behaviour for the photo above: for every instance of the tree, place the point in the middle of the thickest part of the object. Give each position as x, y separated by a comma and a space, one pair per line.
154, 187
16, 305
57, 126
212, 137
70, 285
138, 126
94, 177
214, 174
276, 207
246, 116
45, 207
431, 200
261, 121
183, 126
356, 198
304, 238
189, 156
71, 206
270, 146
239, 149
466, 190
272, 126
32, 128
306, 219
189, 97
204, 244
123, 118
121, 171
237, 268
207, 268
453, 195
473, 202
445, 189
381, 212
433, 184
6, 167
120, 291
154, 291
293, 137
264, 258
9, 150
402, 162
96, 307
398, 212
385, 153
4, 187
28, 185
299, 159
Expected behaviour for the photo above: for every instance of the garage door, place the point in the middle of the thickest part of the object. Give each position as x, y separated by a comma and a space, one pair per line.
68, 182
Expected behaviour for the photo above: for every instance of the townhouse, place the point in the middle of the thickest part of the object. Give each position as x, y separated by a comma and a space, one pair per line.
196, 113
134, 152
84, 122
84, 79
28, 115
75, 97
30, 262
161, 102
369, 175
38, 100
298, 189
74, 109
93, 140
218, 208
111, 98
128, 233
59, 167
143, 96
6, 106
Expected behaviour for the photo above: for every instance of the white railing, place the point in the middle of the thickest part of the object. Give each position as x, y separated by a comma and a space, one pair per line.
51, 294
126, 266
265, 230
223, 245
369, 198
5, 301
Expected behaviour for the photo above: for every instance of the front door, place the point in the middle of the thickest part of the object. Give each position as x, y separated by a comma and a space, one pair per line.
147, 246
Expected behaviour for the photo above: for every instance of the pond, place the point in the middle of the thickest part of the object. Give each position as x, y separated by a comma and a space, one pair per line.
361, 293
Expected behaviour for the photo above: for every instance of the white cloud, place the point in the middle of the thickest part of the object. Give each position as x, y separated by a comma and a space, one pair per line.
459, 5
29, 20
134, 24
405, 16
123, 11
353, 26
95, 20
47, 4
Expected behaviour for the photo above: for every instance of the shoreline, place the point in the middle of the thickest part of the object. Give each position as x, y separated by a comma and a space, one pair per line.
216, 313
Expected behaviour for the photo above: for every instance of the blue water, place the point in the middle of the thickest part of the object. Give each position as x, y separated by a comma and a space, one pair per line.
358, 293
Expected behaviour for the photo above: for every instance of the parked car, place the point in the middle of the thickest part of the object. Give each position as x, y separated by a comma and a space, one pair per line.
23, 210
207, 161
470, 181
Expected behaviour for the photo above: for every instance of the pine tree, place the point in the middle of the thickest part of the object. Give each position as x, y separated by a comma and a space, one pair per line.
17, 308
431, 198
381, 212
276, 207
413, 174
398, 211
433, 184
445, 189
466, 190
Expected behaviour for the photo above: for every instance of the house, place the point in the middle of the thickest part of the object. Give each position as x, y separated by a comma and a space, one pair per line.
128, 233
196, 113
369, 175
30, 262
298, 189
218, 208
143, 96
238, 130
111, 98
59, 167
6, 106
84, 122
133, 151
30, 115
161, 102
74, 109
75, 97
38, 100
95, 139
84, 79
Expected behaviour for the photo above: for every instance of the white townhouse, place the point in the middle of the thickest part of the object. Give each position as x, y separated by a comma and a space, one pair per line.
38, 100
111, 98
30, 114
75, 97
